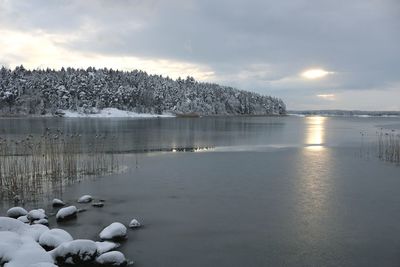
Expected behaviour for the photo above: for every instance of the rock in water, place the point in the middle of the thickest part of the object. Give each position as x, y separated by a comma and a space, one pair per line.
66, 213
53, 238
85, 199
114, 231
16, 212
134, 224
58, 203
112, 258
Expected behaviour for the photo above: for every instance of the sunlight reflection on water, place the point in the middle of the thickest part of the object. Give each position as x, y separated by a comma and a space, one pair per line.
315, 133
315, 183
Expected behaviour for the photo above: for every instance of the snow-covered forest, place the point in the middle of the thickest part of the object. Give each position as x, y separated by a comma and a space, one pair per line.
40, 92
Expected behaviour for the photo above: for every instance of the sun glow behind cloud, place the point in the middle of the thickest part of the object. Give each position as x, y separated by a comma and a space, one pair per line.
327, 96
41, 50
313, 74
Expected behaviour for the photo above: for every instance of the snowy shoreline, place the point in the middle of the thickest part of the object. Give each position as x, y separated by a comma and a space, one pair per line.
112, 113
118, 113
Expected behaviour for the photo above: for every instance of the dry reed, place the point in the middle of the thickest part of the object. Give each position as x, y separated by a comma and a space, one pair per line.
54, 157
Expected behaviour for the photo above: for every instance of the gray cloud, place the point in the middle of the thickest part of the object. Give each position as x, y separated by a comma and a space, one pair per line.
257, 44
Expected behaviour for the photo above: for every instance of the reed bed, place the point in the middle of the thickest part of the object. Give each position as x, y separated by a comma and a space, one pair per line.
389, 145
54, 158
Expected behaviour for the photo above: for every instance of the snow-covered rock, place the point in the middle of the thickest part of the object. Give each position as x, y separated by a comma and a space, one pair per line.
115, 230
85, 199
53, 238
16, 212
106, 246
66, 213
23, 219
36, 230
134, 224
78, 251
38, 214
112, 258
58, 203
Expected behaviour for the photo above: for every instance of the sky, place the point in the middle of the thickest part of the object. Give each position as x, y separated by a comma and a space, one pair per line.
331, 54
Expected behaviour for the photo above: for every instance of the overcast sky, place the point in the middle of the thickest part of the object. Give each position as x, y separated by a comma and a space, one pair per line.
352, 47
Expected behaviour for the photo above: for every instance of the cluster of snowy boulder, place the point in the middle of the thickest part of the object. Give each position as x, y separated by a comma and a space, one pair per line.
27, 241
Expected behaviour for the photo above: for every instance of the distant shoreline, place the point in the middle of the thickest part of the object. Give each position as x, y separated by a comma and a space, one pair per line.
344, 113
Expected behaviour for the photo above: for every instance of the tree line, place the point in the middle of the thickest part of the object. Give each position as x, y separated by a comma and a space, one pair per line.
48, 91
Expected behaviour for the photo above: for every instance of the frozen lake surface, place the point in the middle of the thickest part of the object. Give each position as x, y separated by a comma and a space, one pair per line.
269, 191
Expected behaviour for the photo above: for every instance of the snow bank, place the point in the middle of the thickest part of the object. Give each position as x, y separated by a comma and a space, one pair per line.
18, 246
115, 230
12, 225
16, 212
66, 213
53, 238
113, 113
28, 253
112, 258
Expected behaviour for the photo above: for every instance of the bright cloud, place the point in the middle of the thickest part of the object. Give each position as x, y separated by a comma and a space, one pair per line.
41, 50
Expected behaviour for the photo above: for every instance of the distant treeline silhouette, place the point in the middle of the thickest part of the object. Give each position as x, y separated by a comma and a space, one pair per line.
39, 92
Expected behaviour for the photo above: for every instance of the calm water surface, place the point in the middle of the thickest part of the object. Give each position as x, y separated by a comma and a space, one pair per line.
272, 191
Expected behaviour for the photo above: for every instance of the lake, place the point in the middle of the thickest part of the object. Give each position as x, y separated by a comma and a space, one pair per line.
248, 191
